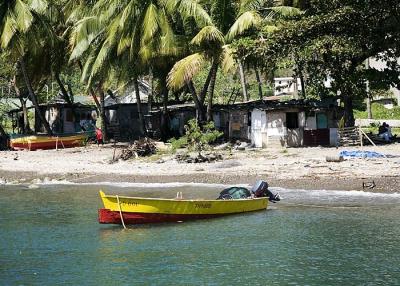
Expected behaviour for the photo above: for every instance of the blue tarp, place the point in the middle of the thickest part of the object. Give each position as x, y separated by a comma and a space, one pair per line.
361, 154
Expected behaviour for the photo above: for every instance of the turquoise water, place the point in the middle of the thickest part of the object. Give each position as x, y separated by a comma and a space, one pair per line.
50, 236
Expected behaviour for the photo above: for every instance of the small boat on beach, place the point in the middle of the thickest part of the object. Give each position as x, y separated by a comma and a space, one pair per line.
137, 210
36, 142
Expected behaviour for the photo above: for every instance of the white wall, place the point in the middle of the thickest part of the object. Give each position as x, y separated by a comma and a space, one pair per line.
311, 123
286, 85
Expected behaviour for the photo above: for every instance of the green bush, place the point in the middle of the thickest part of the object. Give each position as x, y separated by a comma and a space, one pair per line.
197, 138
379, 112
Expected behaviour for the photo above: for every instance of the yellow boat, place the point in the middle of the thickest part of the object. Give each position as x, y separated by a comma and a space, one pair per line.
136, 210
36, 142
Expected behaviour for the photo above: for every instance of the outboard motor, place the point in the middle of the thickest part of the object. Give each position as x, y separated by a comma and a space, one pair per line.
260, 189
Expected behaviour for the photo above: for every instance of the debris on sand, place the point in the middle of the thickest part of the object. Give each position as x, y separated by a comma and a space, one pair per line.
200, 158
140, 148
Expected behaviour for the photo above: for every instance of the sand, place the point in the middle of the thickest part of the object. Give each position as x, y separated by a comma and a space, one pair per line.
304, 168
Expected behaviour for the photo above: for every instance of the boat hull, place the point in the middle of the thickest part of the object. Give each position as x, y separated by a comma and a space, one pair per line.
151, 210
113, 217
33, 143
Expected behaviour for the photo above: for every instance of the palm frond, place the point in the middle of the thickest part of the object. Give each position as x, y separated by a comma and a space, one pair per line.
23, 16
185, 70
252, 5
246, 21
208, 34
9, 30
150, 23
39, 6
283, 12
189, 9
83, 34
227, 60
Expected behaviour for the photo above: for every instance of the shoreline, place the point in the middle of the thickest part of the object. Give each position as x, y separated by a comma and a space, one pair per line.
383, 184
293, 168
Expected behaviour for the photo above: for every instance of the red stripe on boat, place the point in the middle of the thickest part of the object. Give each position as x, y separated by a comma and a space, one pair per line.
107, 216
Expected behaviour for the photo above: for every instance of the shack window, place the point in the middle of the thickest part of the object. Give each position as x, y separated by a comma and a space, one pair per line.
292, 120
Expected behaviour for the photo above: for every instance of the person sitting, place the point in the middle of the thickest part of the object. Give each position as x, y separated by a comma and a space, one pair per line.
385, 132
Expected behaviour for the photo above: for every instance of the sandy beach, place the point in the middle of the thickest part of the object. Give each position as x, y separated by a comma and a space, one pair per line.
304, 168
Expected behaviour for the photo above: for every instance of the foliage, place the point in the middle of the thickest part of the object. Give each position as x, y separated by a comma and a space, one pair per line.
332, 41
197, 138
379, 112
195, 46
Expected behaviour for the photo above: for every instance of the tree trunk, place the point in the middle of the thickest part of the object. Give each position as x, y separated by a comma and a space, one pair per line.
33, 98
243, 81
142, 127
348, 111
259, 82
214, 69
91, 91
96, 101
103, 115
303, 87
199, 107
25, 126
2, 131
150, 96
164, 117
369, 110
63, 90
203, 92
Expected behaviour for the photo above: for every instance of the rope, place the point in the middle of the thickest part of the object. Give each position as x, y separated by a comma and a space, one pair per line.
120, 213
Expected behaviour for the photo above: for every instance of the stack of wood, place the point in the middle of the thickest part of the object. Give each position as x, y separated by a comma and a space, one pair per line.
144, 147
140, 148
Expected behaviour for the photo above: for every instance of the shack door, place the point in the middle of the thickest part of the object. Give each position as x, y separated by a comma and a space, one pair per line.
258, 123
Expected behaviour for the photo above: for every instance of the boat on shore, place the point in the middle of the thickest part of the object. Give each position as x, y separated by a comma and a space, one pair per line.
136, 210
44, 142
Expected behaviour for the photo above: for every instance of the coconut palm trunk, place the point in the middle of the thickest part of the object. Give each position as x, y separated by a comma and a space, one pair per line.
103, 114
63, 90
243, 81
214, 69
150, 96
259, 82
25, 126
91, 90
197, 103
164, 116
139, 106
2, 131
33, 97
203, 92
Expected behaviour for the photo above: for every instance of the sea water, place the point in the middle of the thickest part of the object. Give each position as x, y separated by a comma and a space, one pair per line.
49, 235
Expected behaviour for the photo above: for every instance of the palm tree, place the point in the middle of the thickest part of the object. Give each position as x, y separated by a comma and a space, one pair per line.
230, 20
130, 34
20, 23
211, 48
